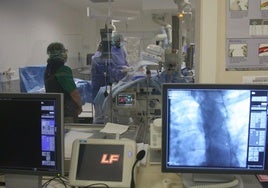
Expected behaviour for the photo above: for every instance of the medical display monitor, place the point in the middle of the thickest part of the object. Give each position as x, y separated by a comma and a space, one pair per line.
31, 135
102, 161
126, 99
211, 128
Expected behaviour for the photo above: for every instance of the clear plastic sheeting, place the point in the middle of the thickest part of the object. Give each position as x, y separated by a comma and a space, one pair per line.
133, 50
32, 81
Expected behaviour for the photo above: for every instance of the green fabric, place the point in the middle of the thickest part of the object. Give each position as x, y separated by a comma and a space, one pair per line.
65, 77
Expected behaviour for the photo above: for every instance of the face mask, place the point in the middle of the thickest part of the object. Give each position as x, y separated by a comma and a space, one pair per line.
116, 43
64, 55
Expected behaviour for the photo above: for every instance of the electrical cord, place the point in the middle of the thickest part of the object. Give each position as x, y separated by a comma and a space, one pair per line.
62, 180
139, 157
97, 184
65, 181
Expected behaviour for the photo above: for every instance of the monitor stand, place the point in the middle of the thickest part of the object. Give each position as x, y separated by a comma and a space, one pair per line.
22, 181
224, 180
245, 181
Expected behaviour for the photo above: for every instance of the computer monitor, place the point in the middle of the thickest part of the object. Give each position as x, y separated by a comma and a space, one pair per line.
214, 128
126, 99
105, 162
31, 138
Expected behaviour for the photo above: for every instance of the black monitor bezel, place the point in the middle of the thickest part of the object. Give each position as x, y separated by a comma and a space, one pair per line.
59, 169
164, 166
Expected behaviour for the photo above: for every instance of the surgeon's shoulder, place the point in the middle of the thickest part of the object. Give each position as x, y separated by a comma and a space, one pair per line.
65, 69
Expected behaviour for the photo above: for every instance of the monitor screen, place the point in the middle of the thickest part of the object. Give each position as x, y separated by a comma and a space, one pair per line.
102, 161
31, 136
126, 99
211, 128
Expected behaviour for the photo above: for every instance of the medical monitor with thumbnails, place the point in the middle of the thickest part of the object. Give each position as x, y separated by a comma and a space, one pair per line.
213, 128
102, 162
126, 99
31, 138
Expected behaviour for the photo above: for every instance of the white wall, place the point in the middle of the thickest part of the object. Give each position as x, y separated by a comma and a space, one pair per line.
207, 37
28, 26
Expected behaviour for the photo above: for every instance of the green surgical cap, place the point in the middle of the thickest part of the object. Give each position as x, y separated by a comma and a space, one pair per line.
117, 37
55, 48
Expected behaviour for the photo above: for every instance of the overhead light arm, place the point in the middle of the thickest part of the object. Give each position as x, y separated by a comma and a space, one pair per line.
184, 6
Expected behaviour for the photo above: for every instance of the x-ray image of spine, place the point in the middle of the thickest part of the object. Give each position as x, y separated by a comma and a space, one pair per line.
209, 128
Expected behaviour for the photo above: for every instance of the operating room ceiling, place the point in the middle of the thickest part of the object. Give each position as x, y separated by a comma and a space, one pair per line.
103, 7
126, 8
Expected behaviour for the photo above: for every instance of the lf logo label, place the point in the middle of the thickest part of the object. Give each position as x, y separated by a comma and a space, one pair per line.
109, 159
